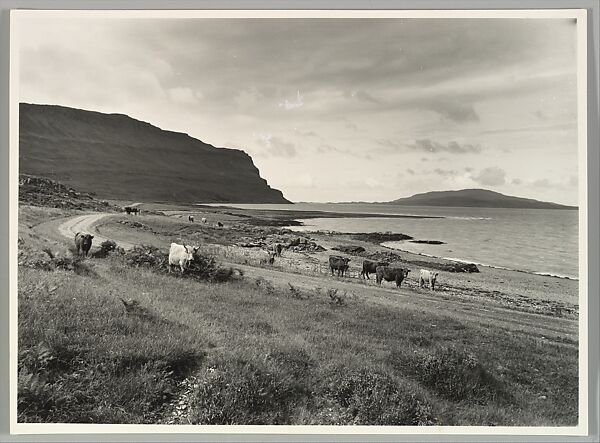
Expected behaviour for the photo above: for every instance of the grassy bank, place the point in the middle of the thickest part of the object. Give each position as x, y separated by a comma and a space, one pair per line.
255, 351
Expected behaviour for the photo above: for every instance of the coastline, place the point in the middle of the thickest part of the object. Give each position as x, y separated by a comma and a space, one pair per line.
511, 288
478, 264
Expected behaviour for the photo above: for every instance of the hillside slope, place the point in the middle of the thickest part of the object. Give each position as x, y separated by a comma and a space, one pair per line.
119, 157
480, 198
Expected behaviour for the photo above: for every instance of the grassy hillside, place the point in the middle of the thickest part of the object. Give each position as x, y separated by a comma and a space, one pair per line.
259, 351
479, 198
118, 157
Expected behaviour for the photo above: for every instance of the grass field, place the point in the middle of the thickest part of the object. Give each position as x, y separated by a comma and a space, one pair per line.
267, 348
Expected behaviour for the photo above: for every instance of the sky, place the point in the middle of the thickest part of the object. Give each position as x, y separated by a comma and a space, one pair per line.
335, 109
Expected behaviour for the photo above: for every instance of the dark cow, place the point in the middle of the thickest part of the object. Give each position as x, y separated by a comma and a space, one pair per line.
370, 266
136, 211
340, 264
83, 243
391, 273
127, 209
277, 248
191, 218
219, 224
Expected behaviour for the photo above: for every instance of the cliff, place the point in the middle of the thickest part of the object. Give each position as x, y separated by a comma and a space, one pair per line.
118, 157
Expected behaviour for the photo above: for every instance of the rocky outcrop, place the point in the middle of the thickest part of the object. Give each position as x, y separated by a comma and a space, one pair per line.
40, 191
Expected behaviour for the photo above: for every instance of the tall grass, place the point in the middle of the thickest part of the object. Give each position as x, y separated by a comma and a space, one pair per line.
118, 347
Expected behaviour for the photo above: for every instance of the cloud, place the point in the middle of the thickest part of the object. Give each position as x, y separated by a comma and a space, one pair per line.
540, 114
373, 183
561, 127
428, 145
305, 133
390, 145
516, 181
455, 111
350, 125
362, 96
292, 104
446, 172
184, 96
493, 176
325, 147
247, 98
276, 146
410, 171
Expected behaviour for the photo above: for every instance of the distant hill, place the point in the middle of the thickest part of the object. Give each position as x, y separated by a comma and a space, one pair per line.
116, 156
478, 198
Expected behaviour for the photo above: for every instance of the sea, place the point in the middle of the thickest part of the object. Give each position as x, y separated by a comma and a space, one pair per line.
540, 241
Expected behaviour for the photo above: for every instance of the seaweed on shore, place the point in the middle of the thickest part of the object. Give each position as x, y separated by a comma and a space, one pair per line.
428, 242
380, 237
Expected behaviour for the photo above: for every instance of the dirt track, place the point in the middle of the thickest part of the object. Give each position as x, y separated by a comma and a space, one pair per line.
87, 223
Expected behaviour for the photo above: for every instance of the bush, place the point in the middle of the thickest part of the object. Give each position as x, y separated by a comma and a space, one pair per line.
203, 267
367, 397
336, 298
149, 256
237, 391
457, 375
75, 264
47, 260
106, 247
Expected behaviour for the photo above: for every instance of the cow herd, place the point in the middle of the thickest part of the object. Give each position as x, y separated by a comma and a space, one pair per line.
182, 255
204, 221
382, 270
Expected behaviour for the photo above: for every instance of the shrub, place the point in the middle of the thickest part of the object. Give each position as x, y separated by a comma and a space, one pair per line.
457, 375
35, 397
295, 361
369, 397
335, 297
238, 391
265, 285
47, 260
298, 294
145, 255
203, 267
75, 264
106, 247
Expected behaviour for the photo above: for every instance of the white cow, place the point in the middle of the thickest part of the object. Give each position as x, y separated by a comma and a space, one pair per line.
204, 220
427, 276
181, 255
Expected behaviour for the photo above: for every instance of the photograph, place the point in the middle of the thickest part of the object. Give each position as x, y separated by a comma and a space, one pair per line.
295, 220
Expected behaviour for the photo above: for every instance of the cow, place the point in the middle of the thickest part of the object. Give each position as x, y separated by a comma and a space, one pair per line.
204, 220
219, 224
370, 266
127, 209
277, 248
136, 211
191, 218
181, 255
429, 277
270, 260
83, 243
391, 273
338, 263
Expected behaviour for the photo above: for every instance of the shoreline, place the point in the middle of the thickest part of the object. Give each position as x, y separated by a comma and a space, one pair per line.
316, 214
485, 265
280, 218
